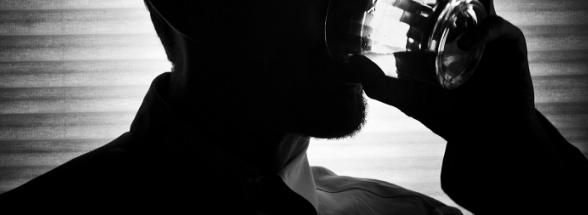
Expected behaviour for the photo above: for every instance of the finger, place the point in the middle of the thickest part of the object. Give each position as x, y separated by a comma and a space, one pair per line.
489, 5
415, 98
428, 104
416, 65
378, 86
371, 76
407, 92
491, 29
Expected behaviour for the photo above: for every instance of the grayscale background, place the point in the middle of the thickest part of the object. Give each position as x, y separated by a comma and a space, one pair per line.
73, 73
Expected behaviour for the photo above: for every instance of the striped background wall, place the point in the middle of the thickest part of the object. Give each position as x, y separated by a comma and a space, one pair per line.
72, 76
73, 73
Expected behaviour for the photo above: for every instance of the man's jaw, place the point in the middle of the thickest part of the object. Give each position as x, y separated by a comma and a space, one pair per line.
330, 116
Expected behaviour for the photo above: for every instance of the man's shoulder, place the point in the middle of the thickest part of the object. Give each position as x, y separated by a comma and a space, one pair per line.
83, 169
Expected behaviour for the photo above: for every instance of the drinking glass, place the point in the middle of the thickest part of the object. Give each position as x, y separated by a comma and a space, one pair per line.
380, 28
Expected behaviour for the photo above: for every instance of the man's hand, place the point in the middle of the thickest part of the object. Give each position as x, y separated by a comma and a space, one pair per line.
499, 146
499, 89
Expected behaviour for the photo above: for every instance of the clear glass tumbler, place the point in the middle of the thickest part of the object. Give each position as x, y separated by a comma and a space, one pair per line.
380, 28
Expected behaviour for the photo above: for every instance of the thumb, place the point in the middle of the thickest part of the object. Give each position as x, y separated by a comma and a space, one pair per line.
425, 102
410, 96
407, 94
371, 76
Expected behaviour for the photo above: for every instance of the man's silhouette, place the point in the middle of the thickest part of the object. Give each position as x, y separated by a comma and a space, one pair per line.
226, 131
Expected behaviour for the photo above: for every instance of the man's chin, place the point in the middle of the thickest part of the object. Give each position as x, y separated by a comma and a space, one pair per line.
332, 117
336, 130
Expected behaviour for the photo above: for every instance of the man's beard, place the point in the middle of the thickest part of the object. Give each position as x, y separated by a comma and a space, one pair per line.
328, 115
322, 105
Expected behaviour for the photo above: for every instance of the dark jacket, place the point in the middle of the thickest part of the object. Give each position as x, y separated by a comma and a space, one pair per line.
162, 163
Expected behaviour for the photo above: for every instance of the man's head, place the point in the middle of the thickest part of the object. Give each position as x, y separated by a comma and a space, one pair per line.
260, 61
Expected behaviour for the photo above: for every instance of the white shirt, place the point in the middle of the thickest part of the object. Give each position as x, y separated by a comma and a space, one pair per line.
331, 194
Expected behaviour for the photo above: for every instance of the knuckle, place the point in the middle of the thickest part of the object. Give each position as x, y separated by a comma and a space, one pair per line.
517, 32
510, 28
